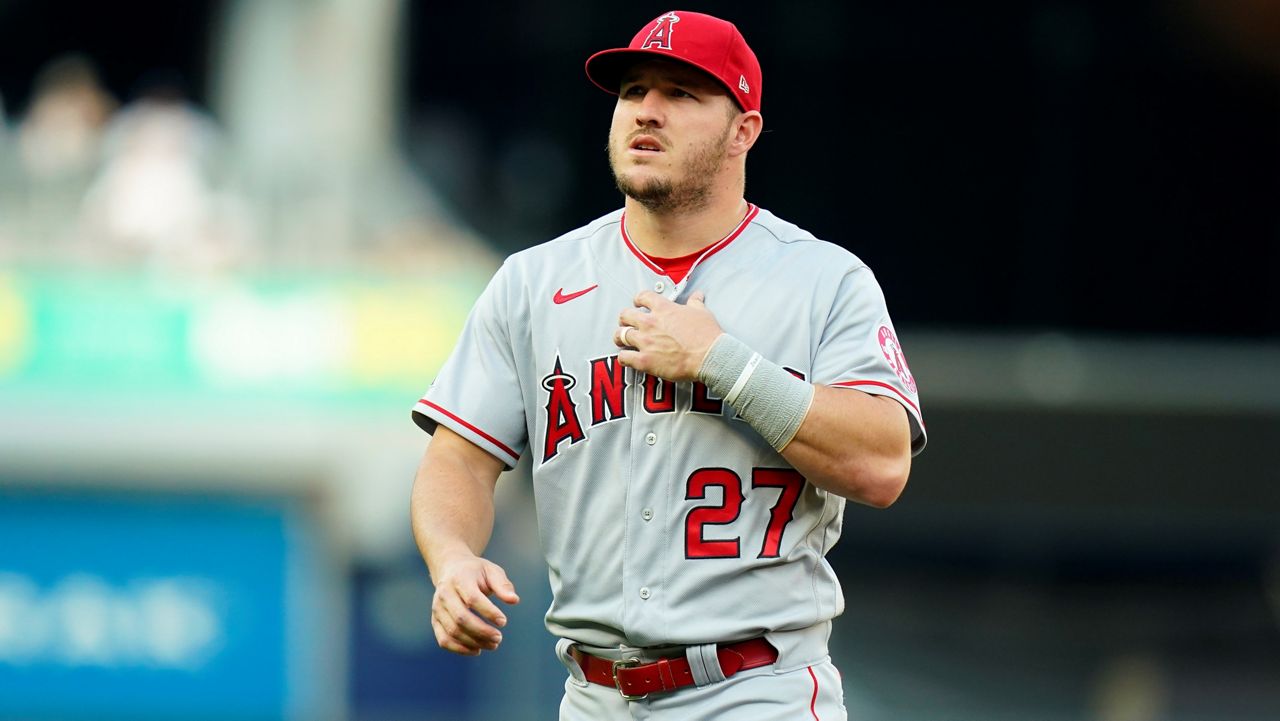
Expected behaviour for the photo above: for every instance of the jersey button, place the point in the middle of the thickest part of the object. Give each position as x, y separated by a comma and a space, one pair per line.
659, 286
651, 438
644, 593
647, 514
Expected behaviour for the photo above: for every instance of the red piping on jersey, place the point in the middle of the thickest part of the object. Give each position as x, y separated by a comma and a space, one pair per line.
813, 702
752, 211
854, 384
477, 431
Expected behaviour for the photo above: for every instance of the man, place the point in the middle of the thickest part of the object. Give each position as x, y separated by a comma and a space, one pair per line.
701, 385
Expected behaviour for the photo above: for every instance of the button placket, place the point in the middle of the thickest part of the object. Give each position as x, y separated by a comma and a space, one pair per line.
645, 576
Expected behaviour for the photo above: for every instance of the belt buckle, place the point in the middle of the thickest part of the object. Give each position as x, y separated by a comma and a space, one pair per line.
625, 663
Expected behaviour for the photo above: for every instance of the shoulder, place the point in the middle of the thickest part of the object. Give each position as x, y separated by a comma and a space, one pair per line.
568, 246
786, 242
534, 270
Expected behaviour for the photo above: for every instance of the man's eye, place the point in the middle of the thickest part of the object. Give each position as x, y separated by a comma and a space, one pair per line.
632, 91
679, 93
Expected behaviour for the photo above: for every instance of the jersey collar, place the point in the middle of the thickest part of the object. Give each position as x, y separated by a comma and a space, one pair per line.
710, 250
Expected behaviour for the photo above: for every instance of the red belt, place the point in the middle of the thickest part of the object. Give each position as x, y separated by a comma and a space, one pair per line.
635, 680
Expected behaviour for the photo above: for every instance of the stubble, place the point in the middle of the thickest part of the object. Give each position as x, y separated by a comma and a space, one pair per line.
664, 195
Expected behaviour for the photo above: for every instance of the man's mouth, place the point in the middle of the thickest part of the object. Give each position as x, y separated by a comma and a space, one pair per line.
645, 144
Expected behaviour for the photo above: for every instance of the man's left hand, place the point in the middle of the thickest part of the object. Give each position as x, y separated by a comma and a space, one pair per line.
667, 339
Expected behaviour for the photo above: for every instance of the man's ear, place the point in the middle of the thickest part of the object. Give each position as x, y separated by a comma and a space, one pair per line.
746, 130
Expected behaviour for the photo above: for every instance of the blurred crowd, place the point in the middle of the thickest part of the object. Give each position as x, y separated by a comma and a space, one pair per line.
87, 179
158, 182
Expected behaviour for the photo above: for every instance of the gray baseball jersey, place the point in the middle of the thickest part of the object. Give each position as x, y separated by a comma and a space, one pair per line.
664, 519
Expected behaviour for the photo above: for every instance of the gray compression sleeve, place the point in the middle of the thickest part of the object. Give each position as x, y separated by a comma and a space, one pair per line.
769, 398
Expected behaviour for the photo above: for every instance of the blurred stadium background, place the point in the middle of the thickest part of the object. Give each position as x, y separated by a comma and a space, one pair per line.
237, 238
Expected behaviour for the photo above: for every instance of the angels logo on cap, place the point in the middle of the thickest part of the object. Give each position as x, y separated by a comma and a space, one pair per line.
660, 35
708, 43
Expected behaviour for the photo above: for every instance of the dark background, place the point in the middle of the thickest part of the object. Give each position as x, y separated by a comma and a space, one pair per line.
1101, 166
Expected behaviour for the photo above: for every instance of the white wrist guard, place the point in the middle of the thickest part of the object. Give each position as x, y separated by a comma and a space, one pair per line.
769, 398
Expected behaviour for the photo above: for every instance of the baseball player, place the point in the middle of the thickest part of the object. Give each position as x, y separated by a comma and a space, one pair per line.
700, 386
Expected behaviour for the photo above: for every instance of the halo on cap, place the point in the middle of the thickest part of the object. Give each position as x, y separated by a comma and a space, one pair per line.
707, 43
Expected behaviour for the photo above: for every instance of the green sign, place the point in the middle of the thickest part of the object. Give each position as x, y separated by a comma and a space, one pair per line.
267, 337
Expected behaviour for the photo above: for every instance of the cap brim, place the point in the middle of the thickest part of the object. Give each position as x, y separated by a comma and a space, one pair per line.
607, 67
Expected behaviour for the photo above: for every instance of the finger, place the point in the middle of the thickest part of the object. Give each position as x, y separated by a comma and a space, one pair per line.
499, 584
451, 641
452, 628
459, 620
698, 299
448, 643
483, 607
474, 631
649, 299
455, 647
467, 636
487, 609
635, 317
631, 359
620, 336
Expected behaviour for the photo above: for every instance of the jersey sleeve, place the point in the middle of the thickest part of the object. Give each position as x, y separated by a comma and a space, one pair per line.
859, 349
477, 392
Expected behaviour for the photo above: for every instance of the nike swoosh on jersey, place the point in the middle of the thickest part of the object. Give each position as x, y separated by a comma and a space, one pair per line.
560, 296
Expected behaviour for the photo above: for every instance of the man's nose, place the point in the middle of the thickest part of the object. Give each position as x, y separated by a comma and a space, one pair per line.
651, 111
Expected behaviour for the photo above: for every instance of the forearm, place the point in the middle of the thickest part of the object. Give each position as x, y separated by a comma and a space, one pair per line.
847, 442
452, 516
452, 506
853, 444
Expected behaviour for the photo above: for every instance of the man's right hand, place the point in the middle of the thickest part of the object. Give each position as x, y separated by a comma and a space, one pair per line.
463, 616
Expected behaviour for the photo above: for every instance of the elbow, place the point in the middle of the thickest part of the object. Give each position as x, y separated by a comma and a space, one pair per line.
878, 484
886, 493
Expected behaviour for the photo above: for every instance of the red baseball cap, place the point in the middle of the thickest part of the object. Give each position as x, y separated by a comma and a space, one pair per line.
708, 43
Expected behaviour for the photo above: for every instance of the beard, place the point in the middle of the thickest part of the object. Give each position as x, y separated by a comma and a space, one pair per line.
692, 191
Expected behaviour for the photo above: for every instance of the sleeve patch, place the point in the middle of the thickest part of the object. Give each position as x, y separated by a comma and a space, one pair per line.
892, 351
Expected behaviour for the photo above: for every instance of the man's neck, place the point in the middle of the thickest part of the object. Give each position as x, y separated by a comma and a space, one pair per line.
672, 234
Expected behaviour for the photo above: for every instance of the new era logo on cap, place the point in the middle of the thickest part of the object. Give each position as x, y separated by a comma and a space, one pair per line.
708, 43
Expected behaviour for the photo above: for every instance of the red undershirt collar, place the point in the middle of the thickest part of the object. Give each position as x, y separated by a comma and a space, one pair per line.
677, 268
